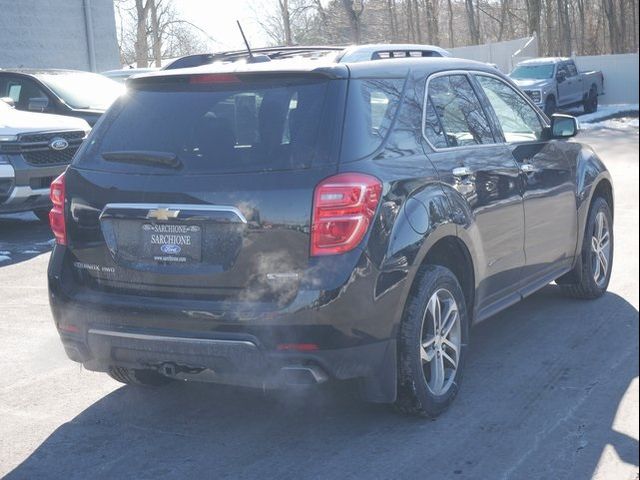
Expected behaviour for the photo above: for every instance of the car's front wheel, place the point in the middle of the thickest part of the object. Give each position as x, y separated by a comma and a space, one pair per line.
550, 106
433, 342
597, 253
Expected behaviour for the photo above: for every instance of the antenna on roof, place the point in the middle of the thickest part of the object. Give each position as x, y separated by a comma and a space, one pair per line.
252, 58
245, 40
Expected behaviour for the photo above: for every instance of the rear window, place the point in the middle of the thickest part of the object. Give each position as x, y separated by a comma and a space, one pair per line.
232, 127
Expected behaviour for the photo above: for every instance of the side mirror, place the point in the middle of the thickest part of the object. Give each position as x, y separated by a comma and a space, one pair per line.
9, 101
564, 126
38, 104
561, 77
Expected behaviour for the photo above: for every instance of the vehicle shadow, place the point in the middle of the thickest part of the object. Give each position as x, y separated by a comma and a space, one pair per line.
540, 399
22, 237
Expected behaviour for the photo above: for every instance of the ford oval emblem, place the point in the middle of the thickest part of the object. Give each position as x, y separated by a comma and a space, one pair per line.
59, 143
170, 249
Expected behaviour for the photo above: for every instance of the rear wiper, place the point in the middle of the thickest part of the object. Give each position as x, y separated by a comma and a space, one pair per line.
143, 157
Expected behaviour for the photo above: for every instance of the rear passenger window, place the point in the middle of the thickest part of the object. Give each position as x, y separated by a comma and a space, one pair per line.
457, 118
371, 109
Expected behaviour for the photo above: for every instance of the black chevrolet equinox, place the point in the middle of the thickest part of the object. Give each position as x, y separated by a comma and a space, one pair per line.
319, 215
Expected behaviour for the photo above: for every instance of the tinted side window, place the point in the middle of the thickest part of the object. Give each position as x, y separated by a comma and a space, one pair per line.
571, 67
562, 69
21, 90
518, 119
371, 109
459, 112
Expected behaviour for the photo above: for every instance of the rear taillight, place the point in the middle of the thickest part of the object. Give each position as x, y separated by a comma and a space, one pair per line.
56, 215
343, 209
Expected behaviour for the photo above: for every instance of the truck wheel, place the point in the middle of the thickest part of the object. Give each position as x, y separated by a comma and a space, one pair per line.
148, 378
550, 106
432, 343
597, 253
591, 102
42, 214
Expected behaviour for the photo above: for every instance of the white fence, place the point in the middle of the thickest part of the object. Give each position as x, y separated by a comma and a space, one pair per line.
620, 76
503, 54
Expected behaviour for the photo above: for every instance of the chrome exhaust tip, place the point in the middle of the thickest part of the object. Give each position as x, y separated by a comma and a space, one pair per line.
302, 375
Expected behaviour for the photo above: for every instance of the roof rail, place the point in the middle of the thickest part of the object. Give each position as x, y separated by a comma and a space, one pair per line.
273, 53
343, 54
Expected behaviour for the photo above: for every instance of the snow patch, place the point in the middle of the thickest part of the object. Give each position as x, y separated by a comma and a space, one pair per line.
605, 112
613, 123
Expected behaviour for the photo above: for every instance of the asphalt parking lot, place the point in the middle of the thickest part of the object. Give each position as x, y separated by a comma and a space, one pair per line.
551, 391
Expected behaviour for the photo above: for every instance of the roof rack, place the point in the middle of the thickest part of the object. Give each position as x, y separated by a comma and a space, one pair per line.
343, 54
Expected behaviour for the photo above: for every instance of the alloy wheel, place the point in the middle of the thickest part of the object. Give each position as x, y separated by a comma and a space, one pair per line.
441, 340
600, 249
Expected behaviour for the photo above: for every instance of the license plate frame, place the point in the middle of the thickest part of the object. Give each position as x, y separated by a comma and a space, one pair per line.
171, 243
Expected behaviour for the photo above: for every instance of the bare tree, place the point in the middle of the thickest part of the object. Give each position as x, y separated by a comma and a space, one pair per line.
354, 10
151, 30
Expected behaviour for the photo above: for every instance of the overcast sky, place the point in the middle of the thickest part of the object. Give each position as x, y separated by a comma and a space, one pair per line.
218, 19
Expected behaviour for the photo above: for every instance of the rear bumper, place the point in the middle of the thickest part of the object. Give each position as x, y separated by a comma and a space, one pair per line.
351, 334
241, 361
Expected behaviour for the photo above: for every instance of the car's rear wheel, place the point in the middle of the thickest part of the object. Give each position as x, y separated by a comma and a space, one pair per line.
596, 255
433, 341
148, 378
591, 102
42, 214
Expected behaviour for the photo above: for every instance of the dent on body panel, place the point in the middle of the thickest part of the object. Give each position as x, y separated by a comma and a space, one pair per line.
413, 202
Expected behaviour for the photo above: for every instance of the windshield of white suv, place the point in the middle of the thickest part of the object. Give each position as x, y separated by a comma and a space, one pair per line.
83, 89
533, 72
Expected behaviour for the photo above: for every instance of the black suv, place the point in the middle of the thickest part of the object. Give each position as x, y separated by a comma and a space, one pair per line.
294, 221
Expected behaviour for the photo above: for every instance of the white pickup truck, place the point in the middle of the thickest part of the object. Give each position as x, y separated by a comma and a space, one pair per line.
554, 83
34, 149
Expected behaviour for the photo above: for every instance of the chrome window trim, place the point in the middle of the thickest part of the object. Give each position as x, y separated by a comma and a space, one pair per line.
177, 206
469, 74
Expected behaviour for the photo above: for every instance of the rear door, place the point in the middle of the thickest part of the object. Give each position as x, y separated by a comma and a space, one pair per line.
478, 166
202, 186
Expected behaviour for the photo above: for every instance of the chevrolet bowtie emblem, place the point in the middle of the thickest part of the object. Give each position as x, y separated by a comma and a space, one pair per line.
163, 213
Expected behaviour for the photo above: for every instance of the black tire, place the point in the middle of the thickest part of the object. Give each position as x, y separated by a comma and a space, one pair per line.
588, 287
591, 102
42, 214
130, 376
550, 106
415, 397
